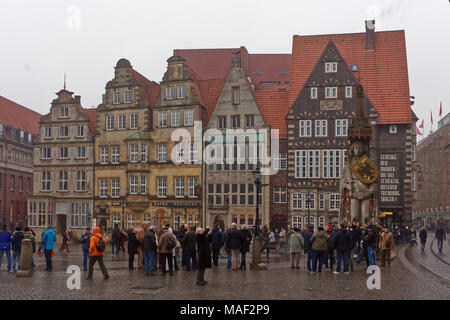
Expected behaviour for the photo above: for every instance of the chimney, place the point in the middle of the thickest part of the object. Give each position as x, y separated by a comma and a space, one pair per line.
370, 39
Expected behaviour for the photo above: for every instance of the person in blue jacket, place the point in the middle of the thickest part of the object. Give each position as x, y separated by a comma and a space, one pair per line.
5, 245
16, 243
48, 242
86, 240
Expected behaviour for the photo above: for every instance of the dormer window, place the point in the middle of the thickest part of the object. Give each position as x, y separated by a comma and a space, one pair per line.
181, 92
169, 93
127, 96
330, 67
331, 92
313, 93
392, 129
116, 97
64, 112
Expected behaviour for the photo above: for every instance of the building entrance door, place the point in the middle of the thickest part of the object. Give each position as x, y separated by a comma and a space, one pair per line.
60, 223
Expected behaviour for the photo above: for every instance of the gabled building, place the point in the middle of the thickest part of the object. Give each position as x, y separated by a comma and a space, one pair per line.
233, 154
123, 149
325, 69
18, 130
63, 167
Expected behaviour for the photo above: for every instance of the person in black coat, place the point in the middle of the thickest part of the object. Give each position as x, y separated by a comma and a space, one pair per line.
343, 244
247, 239
203, 239
132, 247
235, 239
216, 242
423, 238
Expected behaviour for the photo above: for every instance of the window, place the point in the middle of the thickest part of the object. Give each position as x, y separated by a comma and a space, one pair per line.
121, 119
311, 202
143, 153
74, 214
41, 216
103, 155
134, 121
116, 219
179, 187
192, 186
392, 129
235, 121
297, 222
133, 185
280, 161
146, 219
321, 221
63, 181
109, 122
63, 112
250, 194
313, 93
162, 187
330, 67
334, 201
179, 153
235, 95
20, 183
321, 128
169, 93
348, 92
162, 119
300, 164
413, 153
162, 152
193, 153
305, 128
134, 152
47, 132
188, 117
331, 164
11, 183
280, 195
181, 92
331, 92
85, 213
63, 152
413, 182
222, 122
115, 187
143, 185
80, 131
46, 153
175, 118
46, 181
64, 132
32, 215
249, 120
115, 155
127, 96
28, 184
321, 201
314, 163
297, 202
81, 152
130, 220
116, 97
341, 127
81, 180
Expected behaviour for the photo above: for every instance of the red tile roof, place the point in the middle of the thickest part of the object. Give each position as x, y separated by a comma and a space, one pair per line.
210, 90
92, 114
383, 72
274, 106
269, 67
150, 89
18, 116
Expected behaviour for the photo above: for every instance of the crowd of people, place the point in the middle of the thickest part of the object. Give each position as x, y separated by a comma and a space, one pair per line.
333, 248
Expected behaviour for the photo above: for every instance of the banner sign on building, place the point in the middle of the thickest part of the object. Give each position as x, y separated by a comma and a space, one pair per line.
391, 170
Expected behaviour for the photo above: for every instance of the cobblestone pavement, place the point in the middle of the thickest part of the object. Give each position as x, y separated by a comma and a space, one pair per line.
403, 280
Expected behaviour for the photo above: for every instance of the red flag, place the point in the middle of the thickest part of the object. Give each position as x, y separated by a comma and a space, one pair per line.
431, 112
440, 110
418, 132
421, 125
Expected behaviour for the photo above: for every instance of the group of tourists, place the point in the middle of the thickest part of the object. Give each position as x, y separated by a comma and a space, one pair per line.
13, 242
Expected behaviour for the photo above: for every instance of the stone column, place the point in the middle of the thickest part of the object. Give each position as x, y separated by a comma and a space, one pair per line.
25, 259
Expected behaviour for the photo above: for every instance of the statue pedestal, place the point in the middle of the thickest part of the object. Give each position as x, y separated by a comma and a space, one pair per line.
256, 255
25, 259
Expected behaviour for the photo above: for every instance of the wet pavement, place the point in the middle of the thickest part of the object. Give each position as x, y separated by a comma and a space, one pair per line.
405, 279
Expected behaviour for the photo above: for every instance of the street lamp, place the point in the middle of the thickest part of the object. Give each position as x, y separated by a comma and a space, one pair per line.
257, 177
123, 214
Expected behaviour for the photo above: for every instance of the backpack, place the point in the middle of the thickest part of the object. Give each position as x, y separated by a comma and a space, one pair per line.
100, 245
170, 244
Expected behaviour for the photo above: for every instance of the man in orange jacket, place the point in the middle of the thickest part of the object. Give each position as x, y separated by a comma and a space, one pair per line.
96, 254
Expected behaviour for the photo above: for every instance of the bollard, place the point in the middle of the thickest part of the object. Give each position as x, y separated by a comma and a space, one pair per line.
256, 254
25, 259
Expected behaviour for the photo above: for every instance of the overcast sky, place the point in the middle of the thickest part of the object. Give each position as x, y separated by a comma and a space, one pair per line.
42, 39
